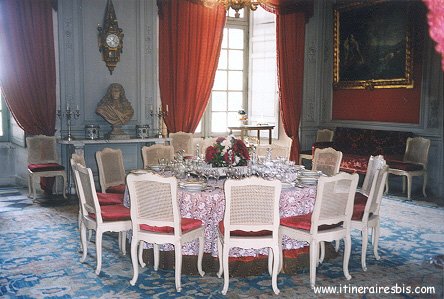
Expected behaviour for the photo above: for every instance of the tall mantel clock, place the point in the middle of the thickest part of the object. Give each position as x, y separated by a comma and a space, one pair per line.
110, 38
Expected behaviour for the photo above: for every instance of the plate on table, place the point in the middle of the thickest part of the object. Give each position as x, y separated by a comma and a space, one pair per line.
156, 168
286, 185
139, 171
310, 173
308, 180
193, 185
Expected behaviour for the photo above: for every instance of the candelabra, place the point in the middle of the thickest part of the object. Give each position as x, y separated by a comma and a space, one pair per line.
160, 115
69, 114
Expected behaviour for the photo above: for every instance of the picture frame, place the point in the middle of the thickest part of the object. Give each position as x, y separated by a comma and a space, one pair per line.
372, 45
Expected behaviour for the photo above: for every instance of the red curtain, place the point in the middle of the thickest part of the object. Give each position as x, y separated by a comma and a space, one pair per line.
27, 67
190, 37
27, 64
290, 42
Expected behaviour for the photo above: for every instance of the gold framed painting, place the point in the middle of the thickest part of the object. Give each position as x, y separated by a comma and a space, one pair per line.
372, 45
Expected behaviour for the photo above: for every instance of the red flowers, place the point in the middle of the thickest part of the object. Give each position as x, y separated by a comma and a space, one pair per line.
218, 154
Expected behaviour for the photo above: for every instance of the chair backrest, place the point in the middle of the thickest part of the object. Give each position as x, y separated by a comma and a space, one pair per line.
327, 160
375, 195
78, 159
375, 163
417, 150
153, 201
252, 204
41, 149
152, 154
324, 135
111, 168
182, 141
334, 200
84, 180
276, 150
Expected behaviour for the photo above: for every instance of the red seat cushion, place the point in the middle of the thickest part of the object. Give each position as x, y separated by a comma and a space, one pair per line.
304, 222
406, 166
45, 167
242, 233
116, 189
187, 224
359, 206
113, 213
106, 199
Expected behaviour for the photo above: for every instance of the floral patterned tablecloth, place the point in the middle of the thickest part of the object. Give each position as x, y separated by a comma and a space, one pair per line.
208, 206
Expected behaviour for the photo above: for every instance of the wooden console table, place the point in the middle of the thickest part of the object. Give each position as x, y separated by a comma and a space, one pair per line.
244, 128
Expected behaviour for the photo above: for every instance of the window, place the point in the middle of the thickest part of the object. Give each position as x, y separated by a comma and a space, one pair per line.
229, 93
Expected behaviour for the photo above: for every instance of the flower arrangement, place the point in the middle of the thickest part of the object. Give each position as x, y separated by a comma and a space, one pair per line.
218, 154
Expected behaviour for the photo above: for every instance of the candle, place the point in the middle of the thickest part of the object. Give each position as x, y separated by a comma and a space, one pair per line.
77, 108
67, 106
151, 108
167, 108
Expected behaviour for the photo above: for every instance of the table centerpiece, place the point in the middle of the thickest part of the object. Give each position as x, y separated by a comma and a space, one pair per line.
226, 152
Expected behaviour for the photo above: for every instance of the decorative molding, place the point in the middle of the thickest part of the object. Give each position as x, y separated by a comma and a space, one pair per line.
433, 119
68, 33
311, 53
148, 41
309, 114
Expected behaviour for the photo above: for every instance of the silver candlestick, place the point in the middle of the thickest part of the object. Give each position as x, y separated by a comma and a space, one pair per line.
161, 116
69, 114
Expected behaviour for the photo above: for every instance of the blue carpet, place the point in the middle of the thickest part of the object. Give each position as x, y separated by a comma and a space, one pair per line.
39, 258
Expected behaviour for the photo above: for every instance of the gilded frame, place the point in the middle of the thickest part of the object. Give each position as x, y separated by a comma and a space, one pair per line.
372, 46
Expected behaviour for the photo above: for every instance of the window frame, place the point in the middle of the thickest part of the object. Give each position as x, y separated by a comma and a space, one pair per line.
5, 118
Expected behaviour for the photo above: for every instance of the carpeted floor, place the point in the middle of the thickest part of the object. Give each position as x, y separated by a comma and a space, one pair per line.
39, 258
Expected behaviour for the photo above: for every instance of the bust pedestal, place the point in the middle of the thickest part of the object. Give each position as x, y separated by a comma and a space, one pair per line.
117, 133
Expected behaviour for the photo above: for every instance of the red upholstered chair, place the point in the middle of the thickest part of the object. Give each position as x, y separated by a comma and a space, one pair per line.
322, 135
251, 220
330, 219
366, 215
110, 218
328, 160
43, 162
413, 164
156, 219
111, 170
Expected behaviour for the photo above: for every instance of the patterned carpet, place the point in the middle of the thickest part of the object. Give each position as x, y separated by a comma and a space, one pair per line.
39, 258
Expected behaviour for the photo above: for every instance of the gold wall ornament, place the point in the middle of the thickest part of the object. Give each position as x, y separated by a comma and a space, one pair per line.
236, 5
110, 38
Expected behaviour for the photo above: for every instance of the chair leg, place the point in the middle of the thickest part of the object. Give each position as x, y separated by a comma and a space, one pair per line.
424, 184
364, 234
83, 241
337, 243
200, 256
225, 252
178, 265
386, 184
403, 184
123, 242
34, 188
29, 185
314, 253
156, 256
141, 262
99, 234
270, 261
276, 253
347, 251
409, 187
65, 183
322, 256
134, 244
219, 254
376, 240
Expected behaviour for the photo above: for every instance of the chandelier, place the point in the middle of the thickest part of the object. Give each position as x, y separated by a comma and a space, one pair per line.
237, 5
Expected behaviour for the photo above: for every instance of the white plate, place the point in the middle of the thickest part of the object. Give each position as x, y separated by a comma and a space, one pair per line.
286, 185
310, 173
139, 171
156, 167
308, 180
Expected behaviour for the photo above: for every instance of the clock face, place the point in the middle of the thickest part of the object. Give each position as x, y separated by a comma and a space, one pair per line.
112, 40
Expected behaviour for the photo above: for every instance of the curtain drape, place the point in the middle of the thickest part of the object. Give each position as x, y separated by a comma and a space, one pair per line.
27, 64
190, 37
27, 67
290, 43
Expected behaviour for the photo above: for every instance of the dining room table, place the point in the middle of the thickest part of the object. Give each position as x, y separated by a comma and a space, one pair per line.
208, 205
